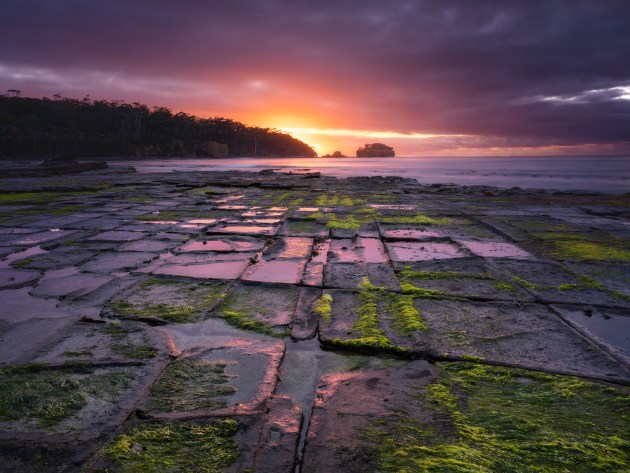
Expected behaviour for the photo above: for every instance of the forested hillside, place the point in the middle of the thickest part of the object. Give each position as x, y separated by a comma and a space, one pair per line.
31, 127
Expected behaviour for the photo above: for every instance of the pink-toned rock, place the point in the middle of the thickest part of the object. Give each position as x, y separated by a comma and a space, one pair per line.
349, 403
277, 271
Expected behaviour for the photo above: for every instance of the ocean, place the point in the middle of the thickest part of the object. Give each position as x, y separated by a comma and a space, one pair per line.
607, 174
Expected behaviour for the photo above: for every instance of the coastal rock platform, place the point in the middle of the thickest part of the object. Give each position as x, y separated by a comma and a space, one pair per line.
233, 321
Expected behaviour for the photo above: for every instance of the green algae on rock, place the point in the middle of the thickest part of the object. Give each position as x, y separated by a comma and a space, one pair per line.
589, 251
366, 333
374, 319
323, 306
49, 395
331, 200
458, 277
526, 284
267, 309
174, 447
504, 286
407, 272
342, 221
499, 419
409, 289
173, 300
43, 197
405, 315
86, 352
415, 219
303, 226
138, 352
190, 384
367, 325
245, 321
556, 282
170, 313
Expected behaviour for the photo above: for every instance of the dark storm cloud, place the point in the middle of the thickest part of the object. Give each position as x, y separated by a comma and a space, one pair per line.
532, 71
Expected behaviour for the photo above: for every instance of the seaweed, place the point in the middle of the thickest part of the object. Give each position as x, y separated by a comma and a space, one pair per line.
406, 318
246, 321
190, 384
128, 350
186, 305
589, 251
323, 306
49, 396
170, 448
500, 419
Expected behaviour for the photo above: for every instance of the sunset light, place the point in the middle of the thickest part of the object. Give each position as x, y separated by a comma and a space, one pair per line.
320, 77
279, 236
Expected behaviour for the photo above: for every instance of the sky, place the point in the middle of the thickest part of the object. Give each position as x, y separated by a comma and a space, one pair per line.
434, 78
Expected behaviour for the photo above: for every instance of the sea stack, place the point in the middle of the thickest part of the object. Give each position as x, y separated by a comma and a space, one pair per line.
336, 154
375, 150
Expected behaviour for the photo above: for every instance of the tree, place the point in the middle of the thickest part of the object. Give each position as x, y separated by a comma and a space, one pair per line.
32, 127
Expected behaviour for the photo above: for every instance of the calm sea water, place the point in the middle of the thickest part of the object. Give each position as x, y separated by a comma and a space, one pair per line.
609, 174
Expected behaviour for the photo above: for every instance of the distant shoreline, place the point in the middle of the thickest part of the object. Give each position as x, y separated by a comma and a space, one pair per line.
609, 174
393, 158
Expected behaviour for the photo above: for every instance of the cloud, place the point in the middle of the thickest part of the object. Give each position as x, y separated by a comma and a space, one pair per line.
364, 133
547, 73
621, 92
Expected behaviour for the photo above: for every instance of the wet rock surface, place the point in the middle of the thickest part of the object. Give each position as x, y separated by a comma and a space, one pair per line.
272, 322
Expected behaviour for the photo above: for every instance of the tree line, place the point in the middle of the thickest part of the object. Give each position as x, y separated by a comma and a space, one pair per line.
65, 127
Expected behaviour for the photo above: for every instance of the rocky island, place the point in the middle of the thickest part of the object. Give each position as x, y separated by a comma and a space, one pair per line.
375, 150
262, 322
336, 154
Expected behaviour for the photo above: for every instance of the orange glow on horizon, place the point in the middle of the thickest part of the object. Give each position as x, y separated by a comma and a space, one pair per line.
289, 120
326, 134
